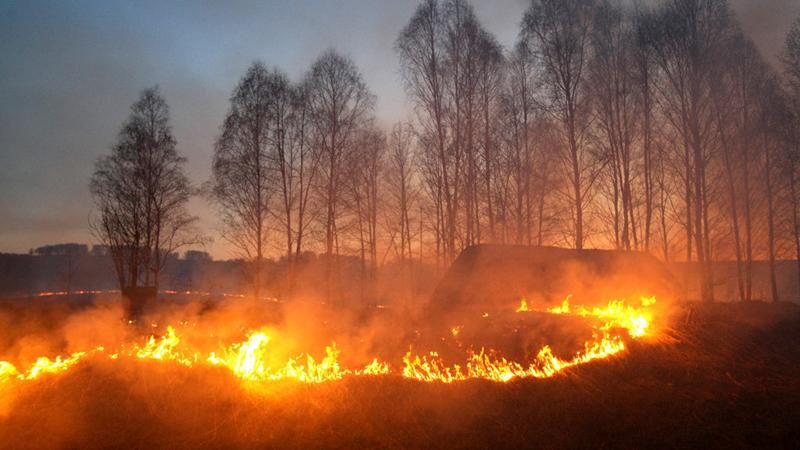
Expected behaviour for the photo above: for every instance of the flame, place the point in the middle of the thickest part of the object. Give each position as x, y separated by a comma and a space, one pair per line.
42, 365
376, 367
249, 360
163, 349
483, 365
561, 309
252, 360
615, 314
7, 371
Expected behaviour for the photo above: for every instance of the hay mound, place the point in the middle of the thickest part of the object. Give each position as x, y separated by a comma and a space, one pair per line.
499, 276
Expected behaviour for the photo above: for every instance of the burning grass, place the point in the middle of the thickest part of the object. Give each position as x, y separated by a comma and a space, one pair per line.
253, 360
718, 379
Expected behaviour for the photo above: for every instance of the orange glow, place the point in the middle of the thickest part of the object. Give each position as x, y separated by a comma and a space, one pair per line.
253, 360
615, 314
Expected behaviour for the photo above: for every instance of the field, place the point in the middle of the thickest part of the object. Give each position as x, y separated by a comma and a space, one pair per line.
722, 376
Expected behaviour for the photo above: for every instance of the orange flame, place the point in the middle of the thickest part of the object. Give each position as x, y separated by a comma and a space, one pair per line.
250, 360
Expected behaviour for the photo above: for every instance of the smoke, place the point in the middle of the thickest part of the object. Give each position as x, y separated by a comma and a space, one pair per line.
140, 403
145, 403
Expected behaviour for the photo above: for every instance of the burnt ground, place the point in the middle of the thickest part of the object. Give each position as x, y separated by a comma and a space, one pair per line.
729, 377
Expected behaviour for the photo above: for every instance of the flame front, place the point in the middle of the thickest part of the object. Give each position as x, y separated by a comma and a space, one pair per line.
251, 360
615, 314
604, 343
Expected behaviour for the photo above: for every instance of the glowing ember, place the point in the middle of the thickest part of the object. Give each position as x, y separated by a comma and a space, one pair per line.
252, 360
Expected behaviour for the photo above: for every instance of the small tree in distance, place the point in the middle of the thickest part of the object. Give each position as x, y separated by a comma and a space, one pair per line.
140, 192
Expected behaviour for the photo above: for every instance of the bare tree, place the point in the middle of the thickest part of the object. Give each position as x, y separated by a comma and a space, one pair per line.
770, 120
424, 73
242, 182
725, 112
365, 169
339, 106
791, 59
463, 48
518, 114
140, 191
446, 60
738, 83
401, 184
791, 70
688, 43
297, 163
558, 31
645, 79
285, 109
616, 112
490, 82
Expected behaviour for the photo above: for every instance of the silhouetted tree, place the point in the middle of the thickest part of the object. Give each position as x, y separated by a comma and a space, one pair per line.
558, 31
791, 70
687, 45
242, 181
140, 191
401, 186
340, 106
616, 108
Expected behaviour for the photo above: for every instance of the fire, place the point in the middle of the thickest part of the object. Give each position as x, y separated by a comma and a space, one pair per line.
7, 371
42, 365
483, 365
45, 365
252, 360
376, 367
615, 314
163, 349
563, 308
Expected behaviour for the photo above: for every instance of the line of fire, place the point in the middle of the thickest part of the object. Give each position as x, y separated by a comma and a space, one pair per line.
580, 233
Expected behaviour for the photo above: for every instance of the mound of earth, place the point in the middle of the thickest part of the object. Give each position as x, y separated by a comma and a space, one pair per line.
498, 276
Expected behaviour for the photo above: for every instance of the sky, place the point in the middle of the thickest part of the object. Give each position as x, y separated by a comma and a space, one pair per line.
69, 71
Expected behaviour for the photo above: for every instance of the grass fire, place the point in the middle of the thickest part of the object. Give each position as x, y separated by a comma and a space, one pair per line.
416, 224
245, 373
251, 359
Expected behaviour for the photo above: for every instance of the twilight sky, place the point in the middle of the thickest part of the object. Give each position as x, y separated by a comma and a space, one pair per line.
69, 71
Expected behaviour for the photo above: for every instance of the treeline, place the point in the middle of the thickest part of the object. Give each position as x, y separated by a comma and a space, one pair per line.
659, 129
70, 269
69, 272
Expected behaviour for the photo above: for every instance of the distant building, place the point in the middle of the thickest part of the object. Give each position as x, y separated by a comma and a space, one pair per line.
197, 256
101, 250
69, 249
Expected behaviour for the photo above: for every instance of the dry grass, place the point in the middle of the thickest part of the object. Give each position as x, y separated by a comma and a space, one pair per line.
728, 379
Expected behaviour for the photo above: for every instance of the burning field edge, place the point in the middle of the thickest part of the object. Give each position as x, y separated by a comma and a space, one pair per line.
250, 360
